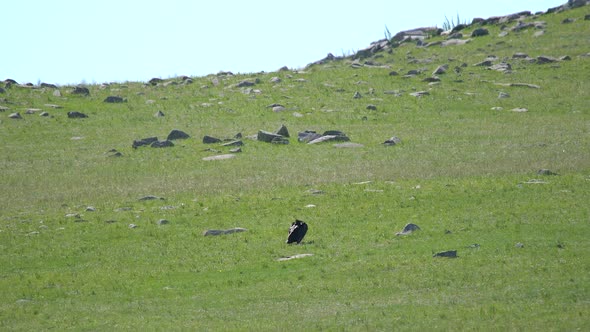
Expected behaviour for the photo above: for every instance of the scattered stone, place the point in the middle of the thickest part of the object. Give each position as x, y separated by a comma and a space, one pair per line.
43, 114
541, 60
223, 232
453, 42
324, 138
159, 114
90, 209
357, 95
307, 136
480, 32
485, 63
53, 106
473, 246
151, 198
265, 136
372, 107
275, 80
394, 140
4, 108
155, 81
538, 33
114, 99
162, 144
497, 108
245, 83
162, 222
80, 90
448, 254
565, 58
220, 157
210, 140
15, 116
532, 86
432, 79
133, 226
393, 73
519, 245
233, 143
2, 90
419, 93
519, 110
408, 229
520, 55
76, 115
283, 131
278, 108
545, 171
236, 150
32, 110
177, 134
503, 95
502, 67
144, 141
440, 70
293, 257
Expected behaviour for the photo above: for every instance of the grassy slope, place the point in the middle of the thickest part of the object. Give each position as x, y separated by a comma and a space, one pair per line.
461, 167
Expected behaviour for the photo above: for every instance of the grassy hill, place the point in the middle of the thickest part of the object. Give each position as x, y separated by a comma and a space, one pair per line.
82, 250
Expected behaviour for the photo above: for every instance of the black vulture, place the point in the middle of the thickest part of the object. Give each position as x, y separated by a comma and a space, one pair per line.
297, 231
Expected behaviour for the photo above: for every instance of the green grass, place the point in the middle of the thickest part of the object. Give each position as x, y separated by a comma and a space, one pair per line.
463, 172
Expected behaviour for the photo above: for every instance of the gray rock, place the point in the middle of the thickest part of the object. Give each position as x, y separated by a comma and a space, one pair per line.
541, 60
545, 171
151, 198
155, 81
357, 95
503, 67
15, 116
520, 55
210, 140
480, 32
210, 232
265, 136
307, 136
43, 114
502, 95
485, 63
114, 99
394, 140
371, 107
245, 83
419, 93
278, 108
219, 157
448, 254
177, 134
348, 145
80, 90
144, 141
162, 222
440, 70
234, 143
162, 144
283, 131
76, 115
408, 229
57, 93
159, 114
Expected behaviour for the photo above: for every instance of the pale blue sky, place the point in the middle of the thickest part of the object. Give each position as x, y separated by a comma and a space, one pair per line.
73, 41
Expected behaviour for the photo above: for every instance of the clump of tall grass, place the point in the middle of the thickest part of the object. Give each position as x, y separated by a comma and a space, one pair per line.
450, 24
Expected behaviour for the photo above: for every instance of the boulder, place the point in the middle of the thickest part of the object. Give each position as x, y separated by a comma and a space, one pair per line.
480, 32
162, 144
265, 136
408, 229
307, 136
210, 140
144, 141
76, 115
177, 134
283, 131
15, 116
394, 140
80, 90
114, 99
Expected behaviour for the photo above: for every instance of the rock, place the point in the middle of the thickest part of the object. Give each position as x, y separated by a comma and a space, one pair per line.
223, 232
210, 140
480, 32
114, 99
2, 90
307, 136
159, 114
162, 222
419, 93
151, 198
453, 42
394, 140
57, 93
541, 60
371, 107
177, 134
283, 131
245, 83
485, 63
90, 209
449, 254
162, 144
520, 55
236, 150
275, 80
408, 229
432, 79
503, 67
53, 106
278, 108
80, 90
76, 115
503, 95
15, 116
440, 70
393, 73
545, 171
43, 114
265, 136
220, 157
519, 245
519, 110
155, 81
144, 141
133, 226
357, 95
233, 143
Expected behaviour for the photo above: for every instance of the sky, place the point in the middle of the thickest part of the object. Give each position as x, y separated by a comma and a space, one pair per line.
94, 41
